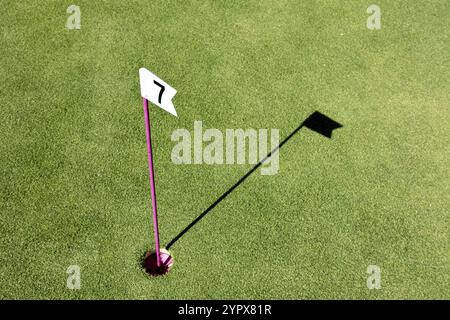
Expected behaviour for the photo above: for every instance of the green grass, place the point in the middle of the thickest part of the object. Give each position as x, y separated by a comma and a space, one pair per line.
74, 185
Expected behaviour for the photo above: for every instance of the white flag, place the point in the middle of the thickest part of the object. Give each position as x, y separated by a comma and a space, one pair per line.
157, 91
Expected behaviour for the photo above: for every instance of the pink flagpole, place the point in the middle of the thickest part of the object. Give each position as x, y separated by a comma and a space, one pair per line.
152, 180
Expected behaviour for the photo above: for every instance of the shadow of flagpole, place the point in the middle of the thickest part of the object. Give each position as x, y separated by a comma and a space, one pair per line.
317, 122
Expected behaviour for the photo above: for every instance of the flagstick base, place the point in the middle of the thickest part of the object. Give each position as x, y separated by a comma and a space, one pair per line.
151, 265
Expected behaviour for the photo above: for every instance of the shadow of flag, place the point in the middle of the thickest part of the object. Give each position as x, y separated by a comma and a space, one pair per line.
320, 123
317, 122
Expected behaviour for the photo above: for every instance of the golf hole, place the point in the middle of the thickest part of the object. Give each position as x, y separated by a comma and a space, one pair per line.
150, 263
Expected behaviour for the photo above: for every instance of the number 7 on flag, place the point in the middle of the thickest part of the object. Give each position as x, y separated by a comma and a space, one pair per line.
157, 91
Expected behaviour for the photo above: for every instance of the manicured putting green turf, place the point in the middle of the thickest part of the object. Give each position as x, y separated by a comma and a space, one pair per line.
74, 185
